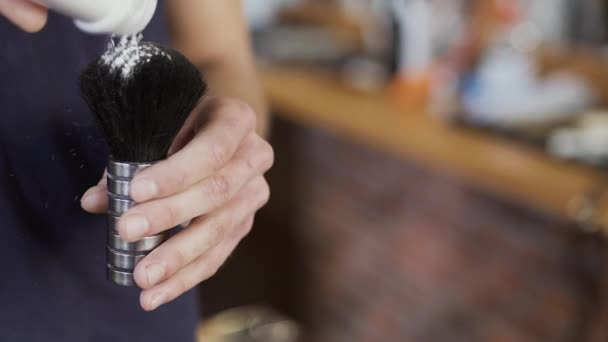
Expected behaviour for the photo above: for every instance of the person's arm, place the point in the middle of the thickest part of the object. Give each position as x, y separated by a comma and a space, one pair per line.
214, 35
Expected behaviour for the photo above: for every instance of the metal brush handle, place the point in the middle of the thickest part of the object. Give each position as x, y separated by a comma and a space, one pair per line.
122, 256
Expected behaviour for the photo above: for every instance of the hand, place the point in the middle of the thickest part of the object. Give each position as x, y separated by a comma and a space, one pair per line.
27, 15
214, 182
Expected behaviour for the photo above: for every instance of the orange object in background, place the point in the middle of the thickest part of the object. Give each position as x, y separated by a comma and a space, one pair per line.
507, 12
413, 89
412, 92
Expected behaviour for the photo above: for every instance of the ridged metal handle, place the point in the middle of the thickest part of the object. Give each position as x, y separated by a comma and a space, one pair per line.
122, 256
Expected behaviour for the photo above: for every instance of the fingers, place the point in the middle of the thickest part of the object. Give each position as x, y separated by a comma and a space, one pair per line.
252, 159
202, 235
191, 126
210, 150
27, 15
187, 278
95, 200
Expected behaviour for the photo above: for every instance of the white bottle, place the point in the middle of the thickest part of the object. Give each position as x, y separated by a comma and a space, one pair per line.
416, 47
120, 17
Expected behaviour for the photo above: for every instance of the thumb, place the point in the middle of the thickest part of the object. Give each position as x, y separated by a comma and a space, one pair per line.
27, 15
95, 200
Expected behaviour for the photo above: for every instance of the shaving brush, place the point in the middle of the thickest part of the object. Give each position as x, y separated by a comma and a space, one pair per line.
141, 94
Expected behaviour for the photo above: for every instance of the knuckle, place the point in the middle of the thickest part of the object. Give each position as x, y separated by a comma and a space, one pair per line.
259, 193
219, 153
217, 187
261, 157
248, 164
267, 155
246, 228
264, 193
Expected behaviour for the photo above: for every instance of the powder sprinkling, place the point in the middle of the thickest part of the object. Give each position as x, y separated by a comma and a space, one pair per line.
126, 53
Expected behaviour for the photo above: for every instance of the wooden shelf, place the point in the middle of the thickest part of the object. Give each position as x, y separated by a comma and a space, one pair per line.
503, 167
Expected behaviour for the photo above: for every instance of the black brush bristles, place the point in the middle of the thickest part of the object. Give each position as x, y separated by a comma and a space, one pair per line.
141, 94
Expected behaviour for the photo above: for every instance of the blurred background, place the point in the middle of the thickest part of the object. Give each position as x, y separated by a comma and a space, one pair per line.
440, 175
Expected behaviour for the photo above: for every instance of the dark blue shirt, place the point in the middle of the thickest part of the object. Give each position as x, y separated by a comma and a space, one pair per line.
52, 278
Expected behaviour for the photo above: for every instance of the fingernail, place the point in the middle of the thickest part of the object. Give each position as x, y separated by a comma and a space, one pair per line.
155, 273
144, 189
157, 300
136, 226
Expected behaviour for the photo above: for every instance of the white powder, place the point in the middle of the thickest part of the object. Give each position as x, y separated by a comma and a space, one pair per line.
128, 53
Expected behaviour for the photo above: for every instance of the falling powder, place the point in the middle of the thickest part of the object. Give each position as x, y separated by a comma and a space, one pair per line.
128, 53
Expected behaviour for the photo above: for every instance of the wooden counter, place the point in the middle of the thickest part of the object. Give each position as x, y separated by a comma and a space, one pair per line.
503, 167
